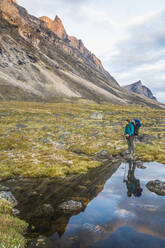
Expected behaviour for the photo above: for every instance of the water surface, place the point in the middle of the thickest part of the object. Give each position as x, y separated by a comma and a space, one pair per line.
117, 217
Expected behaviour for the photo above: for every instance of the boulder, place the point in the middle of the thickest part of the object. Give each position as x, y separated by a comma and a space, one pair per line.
16, 211
140, 165
157, 187
45, 210
8, 196
96, 116
71, 206
59, 145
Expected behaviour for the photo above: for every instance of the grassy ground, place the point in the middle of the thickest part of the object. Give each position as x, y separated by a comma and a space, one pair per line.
59, 139
11, 228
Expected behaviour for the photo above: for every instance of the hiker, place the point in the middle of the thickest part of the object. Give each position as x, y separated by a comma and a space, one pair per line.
129, 135
133, 184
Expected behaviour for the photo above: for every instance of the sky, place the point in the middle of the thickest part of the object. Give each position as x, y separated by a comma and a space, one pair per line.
127, 35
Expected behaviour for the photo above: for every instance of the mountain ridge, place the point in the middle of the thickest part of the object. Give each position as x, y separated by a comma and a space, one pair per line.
37, 65
57, 27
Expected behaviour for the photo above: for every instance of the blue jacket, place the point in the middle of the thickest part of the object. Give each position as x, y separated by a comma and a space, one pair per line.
129, 129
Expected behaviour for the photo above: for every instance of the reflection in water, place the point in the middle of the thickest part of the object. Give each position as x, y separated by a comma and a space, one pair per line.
133, 184
109, 218
34, 194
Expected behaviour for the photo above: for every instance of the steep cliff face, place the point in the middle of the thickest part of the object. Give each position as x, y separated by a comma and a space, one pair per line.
57, 28
140, 89
37, 65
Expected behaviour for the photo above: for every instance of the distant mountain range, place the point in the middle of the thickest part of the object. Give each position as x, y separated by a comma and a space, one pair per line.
140, 89
39, 61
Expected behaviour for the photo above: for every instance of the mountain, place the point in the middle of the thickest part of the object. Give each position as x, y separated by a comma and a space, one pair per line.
57, 27
140, 89
39, 61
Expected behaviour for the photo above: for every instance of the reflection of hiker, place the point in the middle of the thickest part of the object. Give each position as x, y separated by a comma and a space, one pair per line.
129, 134
133, 184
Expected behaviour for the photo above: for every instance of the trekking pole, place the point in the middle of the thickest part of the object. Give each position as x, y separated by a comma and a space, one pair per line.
124, 173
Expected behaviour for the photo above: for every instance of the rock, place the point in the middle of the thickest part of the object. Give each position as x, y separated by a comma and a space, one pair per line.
58, 145
45, 210
4, 188
56, 26
103, 153
140, 165
15, 211
96, 116
21, 126
20, 62
146, 138
45, 140
65, 135
8, 196
157, 187
71, 206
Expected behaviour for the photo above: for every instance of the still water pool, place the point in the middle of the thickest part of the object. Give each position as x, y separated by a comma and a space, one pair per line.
125, 214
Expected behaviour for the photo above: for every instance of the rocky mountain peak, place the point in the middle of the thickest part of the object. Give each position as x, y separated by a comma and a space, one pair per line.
56, 26
58, 20
140, 89
139, 83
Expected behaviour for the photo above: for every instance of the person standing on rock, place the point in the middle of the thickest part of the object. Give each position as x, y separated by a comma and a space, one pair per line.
129, 135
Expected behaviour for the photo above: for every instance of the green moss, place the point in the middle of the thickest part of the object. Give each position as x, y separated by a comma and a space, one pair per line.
11, 228
32, 148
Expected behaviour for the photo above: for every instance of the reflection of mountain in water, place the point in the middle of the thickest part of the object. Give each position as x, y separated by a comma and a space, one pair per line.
32, 194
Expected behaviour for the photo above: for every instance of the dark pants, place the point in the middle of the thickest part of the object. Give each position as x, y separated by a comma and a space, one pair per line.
130, 142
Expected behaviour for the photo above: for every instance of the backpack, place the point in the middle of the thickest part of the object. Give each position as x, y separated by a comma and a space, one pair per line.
137, 124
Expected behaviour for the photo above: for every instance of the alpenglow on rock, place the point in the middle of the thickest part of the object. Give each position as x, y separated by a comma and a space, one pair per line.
140, 89
57, 28
39, 61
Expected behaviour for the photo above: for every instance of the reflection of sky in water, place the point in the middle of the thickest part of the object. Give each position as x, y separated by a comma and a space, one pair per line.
112, 208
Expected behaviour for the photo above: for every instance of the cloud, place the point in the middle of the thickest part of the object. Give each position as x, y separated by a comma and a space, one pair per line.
142, 54
123, 213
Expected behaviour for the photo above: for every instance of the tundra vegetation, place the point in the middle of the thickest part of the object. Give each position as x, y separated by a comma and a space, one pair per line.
11, 228
59, 139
